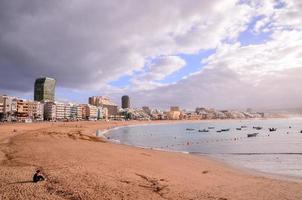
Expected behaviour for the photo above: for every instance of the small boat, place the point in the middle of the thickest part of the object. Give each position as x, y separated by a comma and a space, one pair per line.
301, 131
238, 129
190, 129
257, 127
211, 127
243, 126
225, 129
252, 134
272, 129
218, 131
203, 130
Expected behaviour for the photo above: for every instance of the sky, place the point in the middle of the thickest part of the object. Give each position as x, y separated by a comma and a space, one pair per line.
231, 54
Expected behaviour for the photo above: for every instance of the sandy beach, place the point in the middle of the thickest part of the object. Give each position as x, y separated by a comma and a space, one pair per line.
78, 165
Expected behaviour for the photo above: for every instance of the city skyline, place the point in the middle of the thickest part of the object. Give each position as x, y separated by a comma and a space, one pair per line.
226, 55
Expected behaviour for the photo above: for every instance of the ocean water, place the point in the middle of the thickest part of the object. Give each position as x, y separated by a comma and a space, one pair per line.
278, 152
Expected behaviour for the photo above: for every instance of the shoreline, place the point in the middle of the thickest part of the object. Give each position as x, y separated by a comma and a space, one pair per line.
254, 172
209, 156
78, 166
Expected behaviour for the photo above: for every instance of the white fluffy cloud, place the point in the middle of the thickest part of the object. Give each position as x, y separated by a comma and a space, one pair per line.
265, 75
156, 71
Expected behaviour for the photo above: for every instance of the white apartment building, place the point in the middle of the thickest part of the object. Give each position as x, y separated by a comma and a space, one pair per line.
73, 112
63, 111
60, 111
79, 112
67, 111
76, 112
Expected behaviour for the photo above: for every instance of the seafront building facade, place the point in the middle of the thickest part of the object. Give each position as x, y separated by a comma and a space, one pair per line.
44, 107
16, 109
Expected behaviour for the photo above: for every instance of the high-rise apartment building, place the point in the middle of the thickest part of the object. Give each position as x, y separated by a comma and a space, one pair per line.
44, 89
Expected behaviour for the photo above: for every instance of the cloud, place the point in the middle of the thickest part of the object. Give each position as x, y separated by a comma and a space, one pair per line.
156, 71
263, 75
85, 44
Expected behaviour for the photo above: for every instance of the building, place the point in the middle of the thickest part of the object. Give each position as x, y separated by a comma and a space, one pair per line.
44, 89
91, 112
104, 102
36, 110
1, 108
173, 115
22, 110
67, 111
8, 105
102, 113
75, 112
1, 104
174, 108
79, 113
83, 110
63, 111
50, 111
125, 102
60, 111
147, 110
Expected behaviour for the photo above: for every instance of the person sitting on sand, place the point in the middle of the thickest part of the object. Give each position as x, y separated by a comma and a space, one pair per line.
38, 177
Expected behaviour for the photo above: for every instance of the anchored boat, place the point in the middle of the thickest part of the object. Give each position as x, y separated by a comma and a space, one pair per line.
252, 134
257, 127
272, 129
203, 130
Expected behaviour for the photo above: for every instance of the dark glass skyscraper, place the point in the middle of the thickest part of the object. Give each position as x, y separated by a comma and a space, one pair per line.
125, 101
45, 89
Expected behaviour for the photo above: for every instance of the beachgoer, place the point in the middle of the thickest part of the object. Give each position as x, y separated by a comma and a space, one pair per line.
38, 177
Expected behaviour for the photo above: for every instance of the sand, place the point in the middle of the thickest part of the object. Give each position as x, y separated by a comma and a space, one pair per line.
78, 165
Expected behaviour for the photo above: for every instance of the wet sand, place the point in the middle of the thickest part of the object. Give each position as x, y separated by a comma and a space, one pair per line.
78, 165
